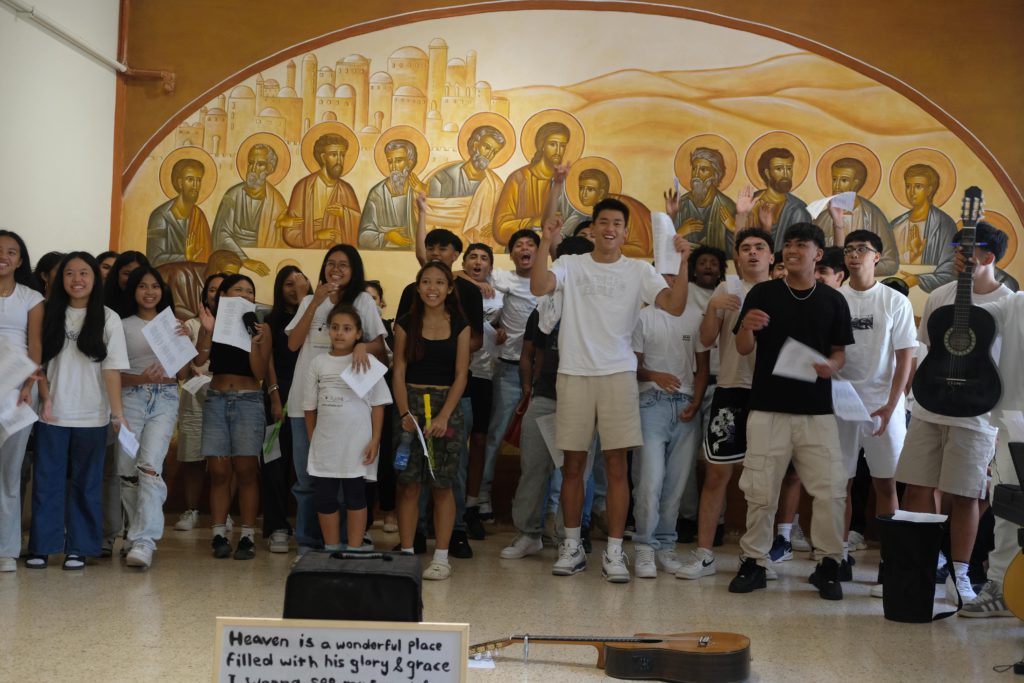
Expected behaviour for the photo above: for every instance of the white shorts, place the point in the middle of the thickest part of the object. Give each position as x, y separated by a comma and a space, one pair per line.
881, 452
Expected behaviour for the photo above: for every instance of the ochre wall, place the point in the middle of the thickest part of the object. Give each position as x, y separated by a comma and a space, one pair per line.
962, 57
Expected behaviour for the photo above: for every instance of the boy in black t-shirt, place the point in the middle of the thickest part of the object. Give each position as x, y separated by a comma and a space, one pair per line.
790, 419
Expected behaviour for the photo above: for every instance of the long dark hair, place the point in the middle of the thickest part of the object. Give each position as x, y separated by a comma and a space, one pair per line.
129, 304
43, 267
23, 273
414, 348
112, 294
206, 286
277, 313
357, 284
229, 282
90, 339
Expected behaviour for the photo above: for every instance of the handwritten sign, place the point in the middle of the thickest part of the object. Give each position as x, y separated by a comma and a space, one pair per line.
313, 651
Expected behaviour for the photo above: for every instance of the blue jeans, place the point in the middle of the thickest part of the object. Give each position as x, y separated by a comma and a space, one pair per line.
151, 411
64, 453
307, 525
507, 392
661, 466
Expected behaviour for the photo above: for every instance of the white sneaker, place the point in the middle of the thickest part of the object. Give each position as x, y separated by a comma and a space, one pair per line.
963, 584
187, 520
571, 559
521, 546
798, 540
140, 556
613, 565
856, 542
437, 571
8, 564
698, 563
989, 603
668, 561
278, 541
769, 573
644, 564
876, 590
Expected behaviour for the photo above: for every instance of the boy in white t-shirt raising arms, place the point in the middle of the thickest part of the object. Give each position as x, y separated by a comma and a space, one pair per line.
602, 295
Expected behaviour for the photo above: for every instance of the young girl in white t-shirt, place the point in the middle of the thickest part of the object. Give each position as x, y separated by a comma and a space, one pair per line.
344, 431
21, 324
83, 352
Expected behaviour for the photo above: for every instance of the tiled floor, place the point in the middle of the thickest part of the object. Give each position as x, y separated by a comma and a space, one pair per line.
113, 623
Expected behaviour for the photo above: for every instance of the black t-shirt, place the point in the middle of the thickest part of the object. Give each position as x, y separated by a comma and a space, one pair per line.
821, 322
437, 366
547, 377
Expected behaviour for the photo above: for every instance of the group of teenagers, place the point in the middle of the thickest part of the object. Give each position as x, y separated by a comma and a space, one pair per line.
626, 376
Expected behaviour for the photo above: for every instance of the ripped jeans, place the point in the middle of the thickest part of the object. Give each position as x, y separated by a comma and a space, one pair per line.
151, 411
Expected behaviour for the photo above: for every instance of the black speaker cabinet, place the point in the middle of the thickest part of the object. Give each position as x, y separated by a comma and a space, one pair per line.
355, 586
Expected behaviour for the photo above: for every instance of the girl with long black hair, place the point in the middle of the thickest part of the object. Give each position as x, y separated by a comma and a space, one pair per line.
117, 279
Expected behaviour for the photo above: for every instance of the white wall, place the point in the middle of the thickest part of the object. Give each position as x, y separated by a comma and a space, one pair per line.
57, 127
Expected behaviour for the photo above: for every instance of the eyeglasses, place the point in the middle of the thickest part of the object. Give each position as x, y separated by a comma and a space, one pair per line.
860, 251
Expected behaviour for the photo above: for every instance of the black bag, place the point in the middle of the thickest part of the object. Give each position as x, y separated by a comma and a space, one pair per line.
910, 554
354, 585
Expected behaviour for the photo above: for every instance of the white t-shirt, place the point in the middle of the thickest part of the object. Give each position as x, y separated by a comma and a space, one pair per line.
481, 363
77, 389
1009, 314
669, 342
700, 298
14, 315
736, 371
600, 308
318, 340
883, 323
140, 355
343, 420
519, 304
942, 296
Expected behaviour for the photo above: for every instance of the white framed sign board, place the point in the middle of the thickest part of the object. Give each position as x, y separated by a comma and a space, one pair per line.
316, 651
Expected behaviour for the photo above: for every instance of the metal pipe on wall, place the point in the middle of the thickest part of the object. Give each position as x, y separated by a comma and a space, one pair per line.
35, 16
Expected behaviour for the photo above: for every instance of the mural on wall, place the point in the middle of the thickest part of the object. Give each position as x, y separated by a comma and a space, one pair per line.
353, 131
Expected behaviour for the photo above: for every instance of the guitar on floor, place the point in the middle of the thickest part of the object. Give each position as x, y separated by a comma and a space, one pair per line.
958, 377
708, 657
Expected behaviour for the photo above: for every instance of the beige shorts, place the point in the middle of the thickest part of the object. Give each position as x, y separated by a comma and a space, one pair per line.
190, 426
953, 459
611, 403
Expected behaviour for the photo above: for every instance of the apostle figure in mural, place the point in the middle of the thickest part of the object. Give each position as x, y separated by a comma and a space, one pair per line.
924, 234
323, 210
249, 211
462, 194
775, 167
390, 212
590, 179
704, 215
178, 229
849, 175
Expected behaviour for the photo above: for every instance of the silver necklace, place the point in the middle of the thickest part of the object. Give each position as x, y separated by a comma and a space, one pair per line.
799, 298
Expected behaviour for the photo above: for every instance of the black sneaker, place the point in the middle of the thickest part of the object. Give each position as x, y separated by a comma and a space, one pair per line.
246, 549
826, 578
846, 569
749, 578
459, 546
585, 540
719, 536
474, 526
221, 547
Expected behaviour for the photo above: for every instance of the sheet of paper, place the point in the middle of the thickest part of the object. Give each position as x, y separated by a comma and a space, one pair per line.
844, 201
15, 367
1013, 420
171, 349
847, 405
129, 442
271, 443
666, 258
362, 382
423, 444
905, 516
546, 425
196, 383
734, 285
796, 361
229, 328
14, 417
818, 205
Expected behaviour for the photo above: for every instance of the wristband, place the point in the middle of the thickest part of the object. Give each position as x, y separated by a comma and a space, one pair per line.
273, 388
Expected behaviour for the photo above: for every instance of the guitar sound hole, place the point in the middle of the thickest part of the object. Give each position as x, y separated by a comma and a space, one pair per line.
960, 342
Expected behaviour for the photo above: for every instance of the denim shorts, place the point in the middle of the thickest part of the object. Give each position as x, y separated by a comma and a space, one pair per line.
234, 423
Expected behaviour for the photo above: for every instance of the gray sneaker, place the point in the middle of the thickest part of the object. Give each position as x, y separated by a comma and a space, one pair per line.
644, 565
668, 560
613, 565
988, 603
571, 559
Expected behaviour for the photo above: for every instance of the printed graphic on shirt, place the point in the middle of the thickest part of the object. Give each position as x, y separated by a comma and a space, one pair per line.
863, 323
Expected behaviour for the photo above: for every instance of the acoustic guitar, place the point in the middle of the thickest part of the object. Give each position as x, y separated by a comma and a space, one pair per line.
958, 377
708, 657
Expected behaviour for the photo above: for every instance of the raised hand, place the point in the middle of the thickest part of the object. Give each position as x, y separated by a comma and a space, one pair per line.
745, 200
671, 202
725, 302
323, 290
766, 215
552, 228
560, 173
421, 202
754, 320
206, 319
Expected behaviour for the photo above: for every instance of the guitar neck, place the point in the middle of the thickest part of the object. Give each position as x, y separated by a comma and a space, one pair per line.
965, 280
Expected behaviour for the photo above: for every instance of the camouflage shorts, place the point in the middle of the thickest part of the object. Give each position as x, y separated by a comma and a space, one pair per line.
446, 450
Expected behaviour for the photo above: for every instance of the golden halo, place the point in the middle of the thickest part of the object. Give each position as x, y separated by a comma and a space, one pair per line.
280, 147
923, 155
489, 118
853, 150
716, 142
577, 138
998, 220
323, 128
777, 138
200, 155
572, 183
402, 133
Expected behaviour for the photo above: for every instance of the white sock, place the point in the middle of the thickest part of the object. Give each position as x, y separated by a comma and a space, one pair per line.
248, 532
615, 544
441, 556
705, 553
472, 501
573, 535
348, 547
846, 550
942, 560
960, 568
785, 530
220, 530
333, 547
408, 551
